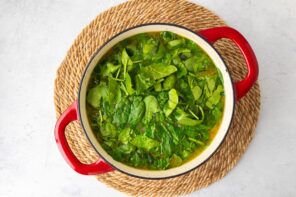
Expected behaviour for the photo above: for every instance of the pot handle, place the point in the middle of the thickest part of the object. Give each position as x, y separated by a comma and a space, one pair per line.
97, 167
213, 34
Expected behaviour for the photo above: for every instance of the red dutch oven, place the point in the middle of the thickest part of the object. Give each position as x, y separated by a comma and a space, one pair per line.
233, 92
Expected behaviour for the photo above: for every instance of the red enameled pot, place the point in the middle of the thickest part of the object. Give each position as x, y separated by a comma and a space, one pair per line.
233, 92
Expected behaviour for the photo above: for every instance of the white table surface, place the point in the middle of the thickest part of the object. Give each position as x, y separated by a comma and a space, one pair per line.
34, 38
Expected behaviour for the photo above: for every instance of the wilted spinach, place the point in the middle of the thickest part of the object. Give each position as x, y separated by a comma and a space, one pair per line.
154, 99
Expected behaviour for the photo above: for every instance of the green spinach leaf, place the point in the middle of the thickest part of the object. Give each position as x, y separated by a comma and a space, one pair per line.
151, 107
95, 94
137, 111
172, 102
158, 70
142, 141
121, 114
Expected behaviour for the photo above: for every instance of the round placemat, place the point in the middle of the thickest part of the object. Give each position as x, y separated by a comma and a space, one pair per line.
133, 13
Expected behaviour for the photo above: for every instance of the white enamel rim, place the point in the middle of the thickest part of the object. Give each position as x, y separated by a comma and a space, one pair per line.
227, 114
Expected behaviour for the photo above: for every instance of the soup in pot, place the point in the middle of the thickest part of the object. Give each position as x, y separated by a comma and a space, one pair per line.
155, 101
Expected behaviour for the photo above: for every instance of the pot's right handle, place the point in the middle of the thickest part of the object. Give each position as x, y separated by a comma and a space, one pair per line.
216, 33
97, 167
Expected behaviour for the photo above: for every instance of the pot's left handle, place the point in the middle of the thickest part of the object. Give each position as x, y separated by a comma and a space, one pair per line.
68, 116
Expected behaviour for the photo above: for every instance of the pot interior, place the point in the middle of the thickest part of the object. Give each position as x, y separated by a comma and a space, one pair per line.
228, 106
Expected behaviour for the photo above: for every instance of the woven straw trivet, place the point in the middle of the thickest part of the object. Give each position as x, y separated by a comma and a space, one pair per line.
136, 12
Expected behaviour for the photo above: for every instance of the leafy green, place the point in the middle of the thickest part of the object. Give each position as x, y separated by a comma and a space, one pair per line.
142, 141
215, 98
211, 84
109, 130
196, 91
184, 118
95, 94
158, 70
124, 135
167, 36
114, 92
152, 107
137, 110
155, 100
158, 86
165, 146
128, 84
121, 114
169, 82
160, 52
149, 48
174, 43
126, 61
175, 161
162, 98
172, 102
192, 64
109, 69
135, 160
125, 148
143, 83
